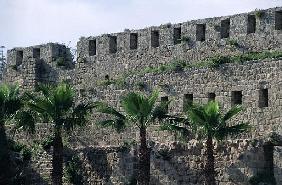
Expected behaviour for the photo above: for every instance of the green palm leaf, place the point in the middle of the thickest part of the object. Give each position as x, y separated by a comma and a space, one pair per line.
232, 112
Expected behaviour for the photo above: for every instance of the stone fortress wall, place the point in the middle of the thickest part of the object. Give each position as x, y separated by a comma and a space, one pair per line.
111, 57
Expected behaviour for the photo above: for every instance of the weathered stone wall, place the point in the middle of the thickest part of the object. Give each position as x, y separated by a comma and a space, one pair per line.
37, 64
112, 56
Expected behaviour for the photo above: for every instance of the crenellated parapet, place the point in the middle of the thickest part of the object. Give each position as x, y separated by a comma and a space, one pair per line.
41, 63
196, 32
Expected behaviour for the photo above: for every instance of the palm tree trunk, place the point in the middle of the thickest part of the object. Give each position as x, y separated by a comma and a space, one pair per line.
57, 162
209, 168
4, 155
144, 160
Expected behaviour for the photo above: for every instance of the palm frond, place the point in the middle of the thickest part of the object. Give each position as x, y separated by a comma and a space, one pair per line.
197, 114
182, 131
106, 109
213, 113
25, 119
118, 124
78, 116
153, 98
232, 112
160, 112
223, 132
131, 104
63, 97
45, 89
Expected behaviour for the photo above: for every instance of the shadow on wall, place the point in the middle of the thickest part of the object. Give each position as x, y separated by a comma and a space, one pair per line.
100, 164
258, 162
176, 166
45, 73
35, 178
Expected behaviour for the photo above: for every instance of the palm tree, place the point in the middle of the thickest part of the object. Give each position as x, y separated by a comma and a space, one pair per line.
140, 111
56, 104
10, 103
208, 121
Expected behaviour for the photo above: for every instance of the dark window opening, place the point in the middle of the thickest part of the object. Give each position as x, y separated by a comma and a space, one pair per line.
19, 58
225, 28
187, 101
177, 35
251, 28
268, 151
113, 44
211, 96
200, 32
263, 98
133, 40
164, 101
92, 47
236, 98
155, 38
36, 53
278, 20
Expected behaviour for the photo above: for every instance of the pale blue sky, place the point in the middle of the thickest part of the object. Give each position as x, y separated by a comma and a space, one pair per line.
31, 22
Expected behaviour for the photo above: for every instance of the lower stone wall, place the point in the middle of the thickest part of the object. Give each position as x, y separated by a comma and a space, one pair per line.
278, 164
172, 163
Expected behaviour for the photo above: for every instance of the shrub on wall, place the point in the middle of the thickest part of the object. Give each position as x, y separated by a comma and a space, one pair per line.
73, 171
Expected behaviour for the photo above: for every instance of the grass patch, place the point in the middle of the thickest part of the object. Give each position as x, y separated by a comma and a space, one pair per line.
211, 62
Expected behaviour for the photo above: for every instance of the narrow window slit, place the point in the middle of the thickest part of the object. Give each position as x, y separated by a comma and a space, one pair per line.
200, 32
187, 101
278, 20
92, 47
251, 27
133, 40
263, 98
113, 44
155, 38
19, 57
164, 101
236, 98
177, 35
225, 28
211, 97
36, 53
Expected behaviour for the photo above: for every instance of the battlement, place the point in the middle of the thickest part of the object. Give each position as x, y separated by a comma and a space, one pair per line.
49, 51
193, 33
41, 63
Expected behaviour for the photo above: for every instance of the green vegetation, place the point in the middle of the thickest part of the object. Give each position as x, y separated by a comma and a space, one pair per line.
119, 82
12, 105
56, 104
22, 149
141, 85
211, 62
232, 42
140, 111
164, 154
208, 122
14, 67
259, 13
127, 145
60, 61
186, 39
73, 171
47, 143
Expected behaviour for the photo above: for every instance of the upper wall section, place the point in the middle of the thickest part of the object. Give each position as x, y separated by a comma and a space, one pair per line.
195, 33
42, 63
46, 52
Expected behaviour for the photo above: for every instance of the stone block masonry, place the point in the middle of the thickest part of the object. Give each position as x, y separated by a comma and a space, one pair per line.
108, 58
